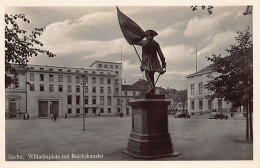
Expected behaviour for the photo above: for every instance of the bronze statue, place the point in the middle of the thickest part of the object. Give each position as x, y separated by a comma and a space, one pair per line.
150, 63
134, 35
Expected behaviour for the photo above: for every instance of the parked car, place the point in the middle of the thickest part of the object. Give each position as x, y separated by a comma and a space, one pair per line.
218, 116
181, 115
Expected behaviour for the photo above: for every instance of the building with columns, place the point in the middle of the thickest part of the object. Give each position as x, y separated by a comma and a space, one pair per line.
197, 93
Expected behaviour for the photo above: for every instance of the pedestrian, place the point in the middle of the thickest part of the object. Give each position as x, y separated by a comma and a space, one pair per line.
24, 116
28, 117
66, 116
51, 116
121, 115
55, 117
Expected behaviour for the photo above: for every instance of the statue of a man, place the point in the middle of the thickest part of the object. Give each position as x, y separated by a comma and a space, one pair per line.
150, 63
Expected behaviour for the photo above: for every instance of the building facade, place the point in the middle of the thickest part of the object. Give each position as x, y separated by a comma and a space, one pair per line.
46, 90
198, 101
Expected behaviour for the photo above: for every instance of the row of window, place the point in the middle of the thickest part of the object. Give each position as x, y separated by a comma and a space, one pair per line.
69, 70
69, 79
94, 110
69, 89
86, 100
200, 85
106, 66
209, 104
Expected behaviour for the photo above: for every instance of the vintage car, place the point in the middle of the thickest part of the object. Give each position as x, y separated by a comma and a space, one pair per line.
216, 115
181, 115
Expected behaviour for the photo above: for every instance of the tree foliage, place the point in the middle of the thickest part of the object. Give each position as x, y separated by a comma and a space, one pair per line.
235, 82
20, 46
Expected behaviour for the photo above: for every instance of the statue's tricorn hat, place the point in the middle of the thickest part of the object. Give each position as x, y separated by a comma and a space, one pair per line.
150, 32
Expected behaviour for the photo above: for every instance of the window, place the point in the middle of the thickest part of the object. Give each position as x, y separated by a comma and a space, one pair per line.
77, 88
93, 89
94, 72
94, 100
109, 100
101, 73
42, 69
118, 110
101, 80
31, 67
192, 89
77, 100
60, 70
69, 99
86, 100
86, 110
101, 110
31, 87
51, 79
117, 81
69, 110
101, 100
86, 89
41, 77
69, 88
41, 87
192, 105
85, 71
109, 90
209, 104
116, 73
77, 71
108, 81
51, 88
105, 66
111, 66
68, 78
117, 91
60, 88
31, 76
50, 69
219, 103
200, 88
125, 93
118, 101
109, 110
101, 89
60, 78
116, 66
134, 93
77, 79
85, 79
100, 65
127, 102
68, 70
200, 105
94, 80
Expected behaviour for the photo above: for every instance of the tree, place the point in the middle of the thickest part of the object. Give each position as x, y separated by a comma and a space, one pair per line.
182, 96
235, 82
19, 47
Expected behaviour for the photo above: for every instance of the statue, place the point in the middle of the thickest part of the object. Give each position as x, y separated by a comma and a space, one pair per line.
134, 35
150, 63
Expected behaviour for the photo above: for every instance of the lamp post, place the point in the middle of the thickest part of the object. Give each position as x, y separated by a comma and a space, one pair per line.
27, 83
83, 83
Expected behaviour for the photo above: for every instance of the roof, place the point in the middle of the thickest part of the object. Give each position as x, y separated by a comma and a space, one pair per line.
104, 62
134, 87
141, 82
202, 71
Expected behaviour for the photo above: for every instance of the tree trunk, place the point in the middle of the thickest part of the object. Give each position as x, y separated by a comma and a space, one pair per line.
247, 133
250, 120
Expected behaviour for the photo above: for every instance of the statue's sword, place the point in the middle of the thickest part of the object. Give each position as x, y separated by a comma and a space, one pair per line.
164, 70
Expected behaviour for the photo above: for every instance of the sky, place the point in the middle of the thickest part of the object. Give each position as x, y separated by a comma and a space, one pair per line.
80, 36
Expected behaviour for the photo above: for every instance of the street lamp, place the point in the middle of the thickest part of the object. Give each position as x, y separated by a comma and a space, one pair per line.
27, 83
83, 83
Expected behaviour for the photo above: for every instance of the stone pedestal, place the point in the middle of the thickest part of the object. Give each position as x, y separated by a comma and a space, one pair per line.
150, 137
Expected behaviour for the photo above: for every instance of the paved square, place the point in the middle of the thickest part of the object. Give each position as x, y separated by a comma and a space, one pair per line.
196, 139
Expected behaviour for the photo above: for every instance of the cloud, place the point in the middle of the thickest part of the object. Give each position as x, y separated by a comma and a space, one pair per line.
198, 26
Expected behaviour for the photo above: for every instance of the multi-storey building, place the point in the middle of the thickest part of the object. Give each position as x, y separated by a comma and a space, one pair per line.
198, 100
46, 90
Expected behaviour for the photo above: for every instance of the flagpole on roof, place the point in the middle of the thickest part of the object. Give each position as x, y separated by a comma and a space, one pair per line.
196, 58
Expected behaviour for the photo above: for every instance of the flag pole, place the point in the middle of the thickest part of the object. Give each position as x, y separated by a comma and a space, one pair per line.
137, 53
